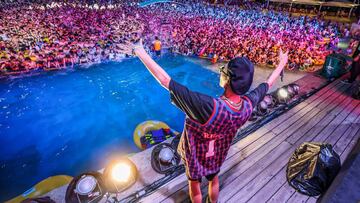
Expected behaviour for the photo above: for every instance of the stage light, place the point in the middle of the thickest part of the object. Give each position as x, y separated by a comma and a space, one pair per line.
164, 158
87, 187
120, 174
270, 101
262, 108
166, 155
283, 93
253, 116
294, 88
290, 91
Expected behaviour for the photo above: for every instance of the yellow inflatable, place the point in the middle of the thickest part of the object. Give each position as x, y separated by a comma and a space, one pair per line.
43, 187
145, 127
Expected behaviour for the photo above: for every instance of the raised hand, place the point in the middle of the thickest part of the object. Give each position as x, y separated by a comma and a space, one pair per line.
283, 57
130, 47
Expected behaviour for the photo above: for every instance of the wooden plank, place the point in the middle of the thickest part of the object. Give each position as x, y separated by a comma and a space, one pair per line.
236, 174
271, 144
333, 125
269, 189
349, 135
247, 192
349, 116
322, 91
331, 139
352, 143
337, 97
250, 188
298, 197
283, 194
277, 179
277, 156
320, 103
286, 191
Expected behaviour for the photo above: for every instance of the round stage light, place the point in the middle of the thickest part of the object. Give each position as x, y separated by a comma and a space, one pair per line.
283, 93
270, 100
290, 90
295, 88
120, 174
262, 108
253, 116
166, 155
87, 187
164, 158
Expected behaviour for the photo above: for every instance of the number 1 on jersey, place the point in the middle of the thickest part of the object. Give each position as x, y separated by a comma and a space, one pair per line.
210, 152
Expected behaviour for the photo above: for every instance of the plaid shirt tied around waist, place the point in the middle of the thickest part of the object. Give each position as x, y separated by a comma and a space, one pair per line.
204, 147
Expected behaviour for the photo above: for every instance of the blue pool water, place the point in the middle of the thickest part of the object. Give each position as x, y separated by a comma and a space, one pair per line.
68, 122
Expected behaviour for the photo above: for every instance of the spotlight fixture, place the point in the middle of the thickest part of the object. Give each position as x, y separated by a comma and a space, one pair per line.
294, 88
87, 187
164, 158
262, 108
120, 174
282, 95
270, 101
253, 116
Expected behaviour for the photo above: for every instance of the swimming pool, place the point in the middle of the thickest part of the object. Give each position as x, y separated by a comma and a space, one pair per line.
68, 122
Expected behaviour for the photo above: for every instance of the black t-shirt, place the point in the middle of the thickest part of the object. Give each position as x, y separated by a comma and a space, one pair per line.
199, 106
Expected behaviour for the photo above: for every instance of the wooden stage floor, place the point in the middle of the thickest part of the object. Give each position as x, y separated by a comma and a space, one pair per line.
255, 168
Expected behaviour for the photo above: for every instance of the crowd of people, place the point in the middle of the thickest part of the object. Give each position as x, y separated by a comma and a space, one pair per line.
38, 38
46, 37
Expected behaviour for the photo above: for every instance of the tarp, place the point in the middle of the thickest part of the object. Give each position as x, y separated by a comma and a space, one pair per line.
312, 168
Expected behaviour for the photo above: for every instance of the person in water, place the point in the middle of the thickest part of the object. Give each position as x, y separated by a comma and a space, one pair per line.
157, 46
211, 123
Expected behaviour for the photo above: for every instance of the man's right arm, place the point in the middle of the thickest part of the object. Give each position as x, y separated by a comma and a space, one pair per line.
197, 106
276, 73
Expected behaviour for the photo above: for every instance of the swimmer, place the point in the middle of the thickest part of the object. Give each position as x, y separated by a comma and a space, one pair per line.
157, 46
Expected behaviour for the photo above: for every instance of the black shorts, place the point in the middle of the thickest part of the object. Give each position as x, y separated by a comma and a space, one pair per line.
158, 53
208, 177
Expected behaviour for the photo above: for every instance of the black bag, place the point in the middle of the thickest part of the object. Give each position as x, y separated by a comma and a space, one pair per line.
312, 168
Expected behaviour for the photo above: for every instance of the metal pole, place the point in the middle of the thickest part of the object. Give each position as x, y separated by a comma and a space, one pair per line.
267, 6
350, 12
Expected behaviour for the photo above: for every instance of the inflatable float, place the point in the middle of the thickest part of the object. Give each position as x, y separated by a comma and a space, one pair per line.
43, 187
150, 133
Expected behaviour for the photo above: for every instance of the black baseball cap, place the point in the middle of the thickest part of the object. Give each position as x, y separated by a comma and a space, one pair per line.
241, 73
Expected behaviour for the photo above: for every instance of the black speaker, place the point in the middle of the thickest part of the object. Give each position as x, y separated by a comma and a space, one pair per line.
334, 66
